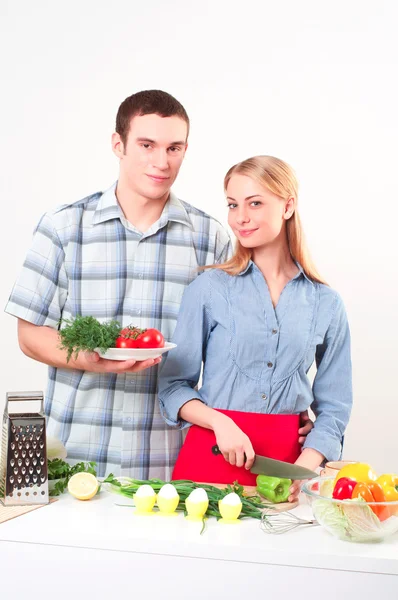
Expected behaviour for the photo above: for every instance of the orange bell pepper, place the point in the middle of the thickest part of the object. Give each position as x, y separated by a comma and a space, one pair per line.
373, 492
389, 483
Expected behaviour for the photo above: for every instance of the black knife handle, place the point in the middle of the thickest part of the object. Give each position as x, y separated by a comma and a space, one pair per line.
216, 450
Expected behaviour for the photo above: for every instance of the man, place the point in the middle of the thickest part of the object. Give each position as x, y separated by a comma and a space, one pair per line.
125, 254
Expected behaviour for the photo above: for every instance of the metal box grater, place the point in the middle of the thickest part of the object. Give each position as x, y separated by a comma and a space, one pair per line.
23, 466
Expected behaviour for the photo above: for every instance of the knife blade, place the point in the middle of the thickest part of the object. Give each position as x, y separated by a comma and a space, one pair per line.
276, 468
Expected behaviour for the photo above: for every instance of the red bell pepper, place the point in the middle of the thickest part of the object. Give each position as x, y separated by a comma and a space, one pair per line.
344, 488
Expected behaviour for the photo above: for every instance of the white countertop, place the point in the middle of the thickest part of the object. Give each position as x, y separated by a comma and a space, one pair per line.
101, 524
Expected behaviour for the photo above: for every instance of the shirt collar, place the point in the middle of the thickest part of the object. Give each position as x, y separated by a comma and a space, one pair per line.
300, 268
175, 210
108, 208
249, 266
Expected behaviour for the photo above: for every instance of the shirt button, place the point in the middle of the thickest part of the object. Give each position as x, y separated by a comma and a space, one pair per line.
138, 311
274, 331
269, 364
140, 276
264, 396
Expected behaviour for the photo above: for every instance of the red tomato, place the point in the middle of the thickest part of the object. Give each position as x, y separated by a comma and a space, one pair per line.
126, 342
150, 338
131, 332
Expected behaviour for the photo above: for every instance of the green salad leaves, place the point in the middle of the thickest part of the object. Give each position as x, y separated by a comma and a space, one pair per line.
61, 471
348, 521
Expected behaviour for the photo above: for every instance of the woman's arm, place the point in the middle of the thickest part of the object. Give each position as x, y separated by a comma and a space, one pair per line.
180, 372
332, 389
233, 443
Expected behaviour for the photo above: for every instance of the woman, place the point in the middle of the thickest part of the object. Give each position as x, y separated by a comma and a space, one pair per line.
257, 323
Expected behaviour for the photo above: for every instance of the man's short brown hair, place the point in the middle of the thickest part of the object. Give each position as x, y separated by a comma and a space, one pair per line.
147, 102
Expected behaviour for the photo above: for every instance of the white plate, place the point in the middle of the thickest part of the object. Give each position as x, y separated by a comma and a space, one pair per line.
134, 353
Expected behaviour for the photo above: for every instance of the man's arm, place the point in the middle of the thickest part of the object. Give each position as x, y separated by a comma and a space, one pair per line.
42, 343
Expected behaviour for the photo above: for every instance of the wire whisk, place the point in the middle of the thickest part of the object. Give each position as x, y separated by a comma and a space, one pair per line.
282, 522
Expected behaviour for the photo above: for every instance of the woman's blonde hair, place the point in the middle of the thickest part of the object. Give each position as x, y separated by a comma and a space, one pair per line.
279, 178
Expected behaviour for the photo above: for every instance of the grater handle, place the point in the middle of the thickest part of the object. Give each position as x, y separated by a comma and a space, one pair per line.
24, 397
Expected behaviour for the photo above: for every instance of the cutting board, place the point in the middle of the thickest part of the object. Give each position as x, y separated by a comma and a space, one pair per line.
250, 490
11, 512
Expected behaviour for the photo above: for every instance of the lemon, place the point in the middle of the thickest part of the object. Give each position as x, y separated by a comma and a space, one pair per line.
83, 486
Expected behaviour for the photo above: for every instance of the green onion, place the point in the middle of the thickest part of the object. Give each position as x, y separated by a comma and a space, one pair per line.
251, 505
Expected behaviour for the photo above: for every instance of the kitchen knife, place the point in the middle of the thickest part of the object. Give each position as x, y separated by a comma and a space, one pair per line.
276, 468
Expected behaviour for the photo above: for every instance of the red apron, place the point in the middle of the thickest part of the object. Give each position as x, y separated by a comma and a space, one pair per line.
273, 436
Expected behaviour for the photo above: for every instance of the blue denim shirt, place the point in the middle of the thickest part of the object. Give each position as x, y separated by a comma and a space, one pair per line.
256, 357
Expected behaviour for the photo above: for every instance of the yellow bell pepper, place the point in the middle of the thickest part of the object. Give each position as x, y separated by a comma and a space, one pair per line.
360, 472
389, 483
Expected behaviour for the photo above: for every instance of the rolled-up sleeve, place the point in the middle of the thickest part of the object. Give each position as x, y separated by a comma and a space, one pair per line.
40, 291
332, 387
180, 372
223, 250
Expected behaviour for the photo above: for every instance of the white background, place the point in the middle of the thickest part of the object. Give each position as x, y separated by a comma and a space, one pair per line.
311, 82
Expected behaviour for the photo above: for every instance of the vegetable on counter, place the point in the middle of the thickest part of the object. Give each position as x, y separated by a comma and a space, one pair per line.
344, 488
358, 481
372, 492
358, 472
352, 520
389, 484
274, 489
251, 505
86, 334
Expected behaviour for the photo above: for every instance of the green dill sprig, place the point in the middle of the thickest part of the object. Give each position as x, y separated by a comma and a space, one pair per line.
85, 334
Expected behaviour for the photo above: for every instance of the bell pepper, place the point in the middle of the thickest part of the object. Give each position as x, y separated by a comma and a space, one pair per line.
357, 471
344, 488
389, 483
373, 492
273, 489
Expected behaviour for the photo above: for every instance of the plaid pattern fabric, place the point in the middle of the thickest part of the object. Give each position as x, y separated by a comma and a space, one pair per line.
87, 259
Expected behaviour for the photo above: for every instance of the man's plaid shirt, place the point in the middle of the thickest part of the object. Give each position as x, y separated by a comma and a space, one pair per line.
87, 259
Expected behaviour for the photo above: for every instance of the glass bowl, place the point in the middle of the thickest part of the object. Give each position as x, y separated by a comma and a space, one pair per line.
350, 520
